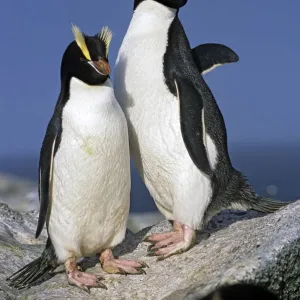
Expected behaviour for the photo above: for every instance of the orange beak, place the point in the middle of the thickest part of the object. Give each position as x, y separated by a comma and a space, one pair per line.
102, 66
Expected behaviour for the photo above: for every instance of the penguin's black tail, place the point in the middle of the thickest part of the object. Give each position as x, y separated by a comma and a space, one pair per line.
267, 205
249, 200
36, 270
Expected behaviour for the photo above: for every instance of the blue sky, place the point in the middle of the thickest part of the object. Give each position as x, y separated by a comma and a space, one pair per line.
258, 96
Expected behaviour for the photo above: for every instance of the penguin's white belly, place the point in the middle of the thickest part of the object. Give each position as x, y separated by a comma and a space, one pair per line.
179, 189
91, 180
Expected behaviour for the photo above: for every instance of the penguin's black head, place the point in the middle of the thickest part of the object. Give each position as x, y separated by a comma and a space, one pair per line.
86, 58
169, 3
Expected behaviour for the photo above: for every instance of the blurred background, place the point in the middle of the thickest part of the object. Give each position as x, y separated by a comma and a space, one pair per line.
258, 96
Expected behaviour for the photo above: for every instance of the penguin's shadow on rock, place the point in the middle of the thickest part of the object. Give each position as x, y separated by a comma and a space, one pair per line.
128, 245
218, 222
225, 219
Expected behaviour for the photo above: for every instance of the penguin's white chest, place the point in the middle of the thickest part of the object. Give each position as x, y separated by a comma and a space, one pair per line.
91, 174
179, 189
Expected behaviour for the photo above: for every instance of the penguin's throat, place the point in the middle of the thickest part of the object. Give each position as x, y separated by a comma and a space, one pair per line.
152, 10
150, 19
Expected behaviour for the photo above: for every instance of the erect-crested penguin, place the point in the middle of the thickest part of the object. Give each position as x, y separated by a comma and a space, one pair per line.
177, 133
84, 170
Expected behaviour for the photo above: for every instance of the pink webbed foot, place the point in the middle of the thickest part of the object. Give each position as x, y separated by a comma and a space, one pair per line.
170, 243
81, 279
112, 265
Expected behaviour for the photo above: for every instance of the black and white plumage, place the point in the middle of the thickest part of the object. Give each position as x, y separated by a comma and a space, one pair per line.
177, 132
84, 169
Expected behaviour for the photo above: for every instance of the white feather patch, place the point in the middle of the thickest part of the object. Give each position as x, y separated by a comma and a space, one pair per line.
51, 180
210, 69
203, 128
51, 162
177, 92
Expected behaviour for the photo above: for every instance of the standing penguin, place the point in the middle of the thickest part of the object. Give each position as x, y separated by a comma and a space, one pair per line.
84, 170
177, 133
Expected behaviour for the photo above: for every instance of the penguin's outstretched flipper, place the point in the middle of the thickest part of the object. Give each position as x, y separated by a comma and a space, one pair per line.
36, 270
192, 123
209, 56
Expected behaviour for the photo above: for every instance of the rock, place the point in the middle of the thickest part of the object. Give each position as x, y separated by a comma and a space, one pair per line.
19, 194
139, 221
235, 247
242, 292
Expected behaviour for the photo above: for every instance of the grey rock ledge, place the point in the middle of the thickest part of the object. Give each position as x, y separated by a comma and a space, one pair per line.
235, 247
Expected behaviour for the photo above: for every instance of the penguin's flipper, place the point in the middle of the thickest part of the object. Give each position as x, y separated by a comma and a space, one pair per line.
45, 172
192, 123
209, 56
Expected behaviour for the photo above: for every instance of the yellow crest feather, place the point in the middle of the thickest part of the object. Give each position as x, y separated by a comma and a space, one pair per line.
106, 35
79, 38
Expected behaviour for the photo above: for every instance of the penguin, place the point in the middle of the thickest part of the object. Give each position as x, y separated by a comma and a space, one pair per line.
177, 133
84, 171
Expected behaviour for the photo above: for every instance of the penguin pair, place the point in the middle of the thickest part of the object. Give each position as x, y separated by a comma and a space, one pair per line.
84, 171
177, 138
177, 132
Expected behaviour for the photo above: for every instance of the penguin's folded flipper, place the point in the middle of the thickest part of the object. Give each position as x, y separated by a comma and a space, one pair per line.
36, 270
267, 205
209, 56
46, 170
192, 123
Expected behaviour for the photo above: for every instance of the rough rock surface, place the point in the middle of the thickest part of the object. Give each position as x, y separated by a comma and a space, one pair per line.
18, 193
235, 247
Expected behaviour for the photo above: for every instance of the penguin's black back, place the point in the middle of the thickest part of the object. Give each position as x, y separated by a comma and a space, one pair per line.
230, 187
178, 59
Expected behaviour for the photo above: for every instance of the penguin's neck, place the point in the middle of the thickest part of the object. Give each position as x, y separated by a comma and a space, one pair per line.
150, 16
81, 92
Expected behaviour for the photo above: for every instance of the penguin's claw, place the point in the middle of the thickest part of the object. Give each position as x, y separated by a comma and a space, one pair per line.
117, 266
144, 265
85, 288
157, 237
150, 247
123, 267
121, 271
83, 280
167, 244
170, 250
